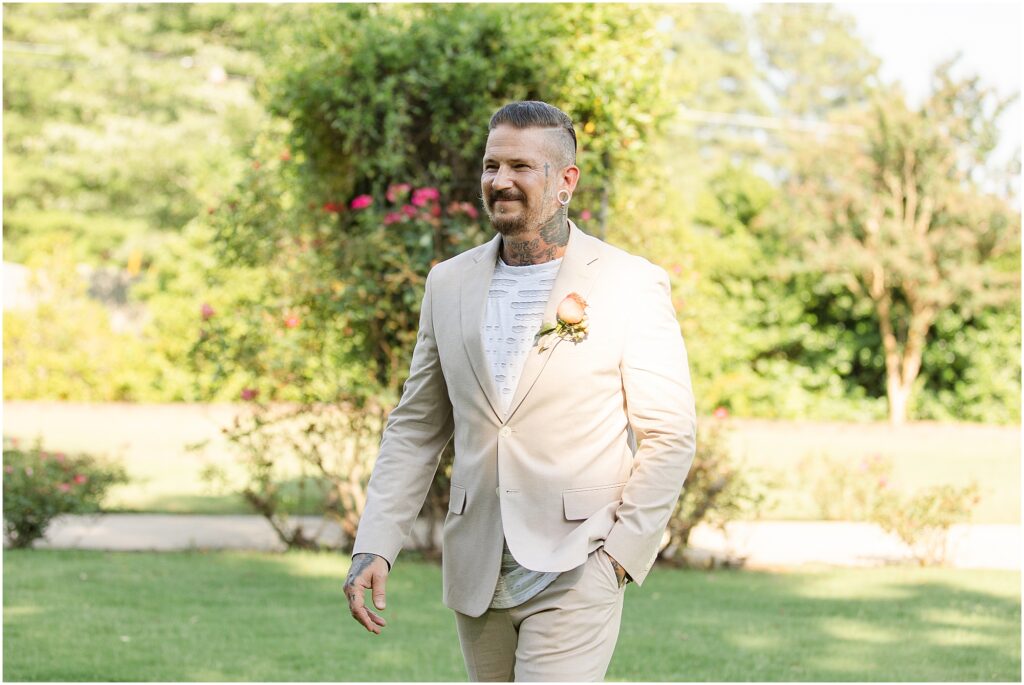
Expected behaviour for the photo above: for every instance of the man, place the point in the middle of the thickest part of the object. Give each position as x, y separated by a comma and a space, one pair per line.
547, 354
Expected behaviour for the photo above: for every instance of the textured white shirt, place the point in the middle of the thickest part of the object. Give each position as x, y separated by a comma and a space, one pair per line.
515, 307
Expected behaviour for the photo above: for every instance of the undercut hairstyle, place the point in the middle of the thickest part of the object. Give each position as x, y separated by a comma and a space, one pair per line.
537, 114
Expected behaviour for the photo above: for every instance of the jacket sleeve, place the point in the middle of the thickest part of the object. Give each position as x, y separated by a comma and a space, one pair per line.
415, 434
661, 412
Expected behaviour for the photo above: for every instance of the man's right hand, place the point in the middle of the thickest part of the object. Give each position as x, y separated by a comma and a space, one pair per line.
368, 572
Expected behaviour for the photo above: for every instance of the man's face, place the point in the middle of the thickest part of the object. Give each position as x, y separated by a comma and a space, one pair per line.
520, 178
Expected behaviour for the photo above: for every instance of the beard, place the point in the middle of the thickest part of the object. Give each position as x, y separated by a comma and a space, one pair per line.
504, 224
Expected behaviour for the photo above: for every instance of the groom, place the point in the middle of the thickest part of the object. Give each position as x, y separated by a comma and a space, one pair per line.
556, 362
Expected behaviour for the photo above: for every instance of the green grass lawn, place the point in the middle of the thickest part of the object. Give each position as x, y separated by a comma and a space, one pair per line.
250, 617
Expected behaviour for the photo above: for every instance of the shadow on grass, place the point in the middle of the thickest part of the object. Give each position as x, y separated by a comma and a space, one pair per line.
76, 615
895, 623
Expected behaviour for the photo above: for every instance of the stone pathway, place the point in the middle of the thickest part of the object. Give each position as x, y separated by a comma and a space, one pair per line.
761, 544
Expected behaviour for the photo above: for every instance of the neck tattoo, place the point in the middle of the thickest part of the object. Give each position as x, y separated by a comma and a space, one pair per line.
546, 243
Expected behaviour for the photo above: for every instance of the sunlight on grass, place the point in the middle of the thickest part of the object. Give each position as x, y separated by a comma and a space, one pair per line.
859, 631
15, 611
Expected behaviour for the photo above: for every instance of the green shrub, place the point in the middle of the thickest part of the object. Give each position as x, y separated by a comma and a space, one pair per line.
844, 491
923, 520
716, 491
41, 485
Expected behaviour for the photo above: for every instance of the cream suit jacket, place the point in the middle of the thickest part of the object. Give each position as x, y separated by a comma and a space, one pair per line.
556, 475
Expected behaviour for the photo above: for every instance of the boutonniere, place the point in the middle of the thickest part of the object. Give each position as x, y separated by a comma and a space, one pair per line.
571, 321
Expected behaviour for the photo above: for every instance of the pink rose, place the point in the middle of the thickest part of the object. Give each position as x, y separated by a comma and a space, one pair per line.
291, 321
409, 211
206, 311
64, 487
249, 394
361, 202
570, 310
721, 413
422, 196
470, 210
392, 218
585, 215
80, 478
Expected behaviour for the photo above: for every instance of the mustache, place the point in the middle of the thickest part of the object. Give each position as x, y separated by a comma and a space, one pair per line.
504, 195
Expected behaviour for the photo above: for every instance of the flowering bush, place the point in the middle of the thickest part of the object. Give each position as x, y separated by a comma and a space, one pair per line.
321, 352
923, 519
40, 485
715, 490
846, 491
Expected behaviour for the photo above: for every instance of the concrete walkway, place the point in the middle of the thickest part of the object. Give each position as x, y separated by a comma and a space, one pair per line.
757, 544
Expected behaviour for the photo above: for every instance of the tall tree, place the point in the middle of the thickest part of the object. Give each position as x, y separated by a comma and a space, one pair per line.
898, 216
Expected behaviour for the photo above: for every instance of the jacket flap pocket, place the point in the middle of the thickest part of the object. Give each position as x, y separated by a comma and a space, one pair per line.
581, 503
457, 499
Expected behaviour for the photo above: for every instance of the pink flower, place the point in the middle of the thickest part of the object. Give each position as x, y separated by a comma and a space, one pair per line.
249, 394
422, 196
397, 190
64, 487
585, 215
206, 311
721, 413
8, 469
409, 211
28, 470
392, 218
80, 478
470, 210
570, 310
361, 202
292, 321
59, 457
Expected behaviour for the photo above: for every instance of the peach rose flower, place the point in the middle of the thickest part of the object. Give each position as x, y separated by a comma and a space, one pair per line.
570, 310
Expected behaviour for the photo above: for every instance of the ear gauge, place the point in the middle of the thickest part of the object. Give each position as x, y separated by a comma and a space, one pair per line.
568, 196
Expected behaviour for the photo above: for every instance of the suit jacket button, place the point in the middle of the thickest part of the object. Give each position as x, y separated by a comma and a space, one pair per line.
505, 431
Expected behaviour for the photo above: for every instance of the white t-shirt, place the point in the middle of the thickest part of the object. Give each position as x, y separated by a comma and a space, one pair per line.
515, 307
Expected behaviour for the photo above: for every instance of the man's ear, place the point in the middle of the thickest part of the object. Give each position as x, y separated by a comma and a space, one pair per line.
571, 176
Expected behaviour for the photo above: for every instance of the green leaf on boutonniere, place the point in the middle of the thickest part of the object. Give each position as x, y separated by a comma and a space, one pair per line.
545, 329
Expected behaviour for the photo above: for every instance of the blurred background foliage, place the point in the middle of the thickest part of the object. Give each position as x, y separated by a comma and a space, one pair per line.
180, 177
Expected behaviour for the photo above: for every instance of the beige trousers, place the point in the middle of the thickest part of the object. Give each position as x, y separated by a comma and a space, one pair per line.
567, 632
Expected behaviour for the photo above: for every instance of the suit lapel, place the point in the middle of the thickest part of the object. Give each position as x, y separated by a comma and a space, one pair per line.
577, 273
476, 282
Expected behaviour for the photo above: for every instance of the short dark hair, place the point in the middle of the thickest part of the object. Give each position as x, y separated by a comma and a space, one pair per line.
537, 114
